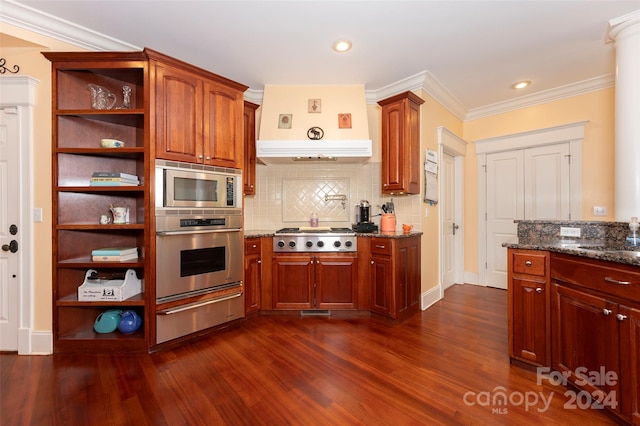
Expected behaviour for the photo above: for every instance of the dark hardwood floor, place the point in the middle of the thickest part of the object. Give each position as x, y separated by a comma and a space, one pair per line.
441, 366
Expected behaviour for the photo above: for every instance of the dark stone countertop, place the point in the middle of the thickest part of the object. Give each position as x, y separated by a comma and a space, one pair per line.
593, 249
393, 235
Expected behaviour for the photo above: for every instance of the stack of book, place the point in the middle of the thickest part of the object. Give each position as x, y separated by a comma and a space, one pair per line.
114, 179
114, 254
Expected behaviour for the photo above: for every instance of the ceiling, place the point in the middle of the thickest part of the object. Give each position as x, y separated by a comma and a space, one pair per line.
474, 50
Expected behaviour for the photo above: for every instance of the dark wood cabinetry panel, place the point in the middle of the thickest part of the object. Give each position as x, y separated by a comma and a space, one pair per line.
292, 281
401, 157
249, 170
252, 274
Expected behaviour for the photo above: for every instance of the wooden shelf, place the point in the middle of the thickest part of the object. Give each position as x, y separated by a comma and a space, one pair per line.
86, 262
72, 300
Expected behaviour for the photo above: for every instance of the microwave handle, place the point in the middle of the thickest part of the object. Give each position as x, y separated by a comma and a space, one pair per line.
206, 231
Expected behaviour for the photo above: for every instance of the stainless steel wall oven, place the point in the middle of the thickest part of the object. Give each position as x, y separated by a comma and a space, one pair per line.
199, 257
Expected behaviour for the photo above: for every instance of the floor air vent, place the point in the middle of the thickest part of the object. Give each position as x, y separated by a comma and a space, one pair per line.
315, 313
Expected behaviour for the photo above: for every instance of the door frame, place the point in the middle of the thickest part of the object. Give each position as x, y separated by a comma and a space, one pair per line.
453, 145
572, 133
20, 92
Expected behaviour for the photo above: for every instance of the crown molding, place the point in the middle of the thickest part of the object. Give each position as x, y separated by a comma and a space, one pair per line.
48, 25
557, 93
59, 29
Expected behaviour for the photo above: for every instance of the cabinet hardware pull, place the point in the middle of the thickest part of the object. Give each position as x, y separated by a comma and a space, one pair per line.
380, 247
254, 245
538, 290
606, 311
259, 261
198, 305
527, 263
612, 281
372, 262
621, 317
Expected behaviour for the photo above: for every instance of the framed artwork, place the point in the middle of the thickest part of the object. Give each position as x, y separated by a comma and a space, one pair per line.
315, 105
344, 121
284, 121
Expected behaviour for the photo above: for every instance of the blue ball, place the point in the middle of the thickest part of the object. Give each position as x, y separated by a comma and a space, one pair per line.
130, 322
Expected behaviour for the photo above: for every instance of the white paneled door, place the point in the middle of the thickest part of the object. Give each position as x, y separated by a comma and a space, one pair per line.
525, 184
448, 209
9, 214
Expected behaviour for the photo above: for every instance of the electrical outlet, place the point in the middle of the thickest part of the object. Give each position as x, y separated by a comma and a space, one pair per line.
599, 211
569, 232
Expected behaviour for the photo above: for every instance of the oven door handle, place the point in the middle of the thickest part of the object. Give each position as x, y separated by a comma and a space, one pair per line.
206, 231
198, 305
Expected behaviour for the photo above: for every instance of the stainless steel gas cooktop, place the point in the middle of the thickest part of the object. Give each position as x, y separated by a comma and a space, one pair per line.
314, 239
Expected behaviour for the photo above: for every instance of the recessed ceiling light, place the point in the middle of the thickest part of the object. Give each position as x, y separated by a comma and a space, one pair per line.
342, 45
521, 84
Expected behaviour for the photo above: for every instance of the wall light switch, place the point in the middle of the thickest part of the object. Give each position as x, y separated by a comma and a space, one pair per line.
37, 214
600, 211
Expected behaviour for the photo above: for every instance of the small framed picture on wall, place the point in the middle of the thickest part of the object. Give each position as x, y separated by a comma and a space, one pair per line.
284, 121
344, 121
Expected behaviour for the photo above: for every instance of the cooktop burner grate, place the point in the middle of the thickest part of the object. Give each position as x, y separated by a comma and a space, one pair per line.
315, 231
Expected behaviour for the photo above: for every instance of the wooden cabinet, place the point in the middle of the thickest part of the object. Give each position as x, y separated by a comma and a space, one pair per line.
528, 306
595, 320
401, 157
394, 274
199, 116
249, 170
77, 129
252, 275
315, 281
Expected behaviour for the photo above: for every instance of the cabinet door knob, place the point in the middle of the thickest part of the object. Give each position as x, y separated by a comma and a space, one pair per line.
606, 311
259, 261
621, 317
372, 262
527, 263
538, 290
200, 157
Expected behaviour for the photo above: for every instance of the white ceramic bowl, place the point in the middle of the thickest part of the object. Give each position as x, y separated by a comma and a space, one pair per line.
111, 143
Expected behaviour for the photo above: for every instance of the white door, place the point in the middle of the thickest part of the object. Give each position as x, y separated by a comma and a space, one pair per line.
9, 215
448, 209
505, 203
546, 183
528, 184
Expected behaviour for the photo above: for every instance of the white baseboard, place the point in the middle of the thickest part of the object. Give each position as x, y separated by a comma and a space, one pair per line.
35, 343
430, 297
472, 278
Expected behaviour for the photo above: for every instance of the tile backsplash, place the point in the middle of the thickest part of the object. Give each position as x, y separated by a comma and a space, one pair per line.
287, 195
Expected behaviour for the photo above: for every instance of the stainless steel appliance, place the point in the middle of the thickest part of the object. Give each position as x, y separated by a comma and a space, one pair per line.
321, 239
198, 256
199, 247
189, 185
363, 218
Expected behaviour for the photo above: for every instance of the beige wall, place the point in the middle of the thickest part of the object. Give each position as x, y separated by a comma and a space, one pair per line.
597, 153
432, 116
23, 48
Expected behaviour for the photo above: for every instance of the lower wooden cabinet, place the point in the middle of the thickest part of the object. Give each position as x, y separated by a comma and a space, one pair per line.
528, 306
314, 281
394, 275
252, 274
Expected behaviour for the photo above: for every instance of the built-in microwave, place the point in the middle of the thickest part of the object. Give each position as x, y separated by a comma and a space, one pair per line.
196, 186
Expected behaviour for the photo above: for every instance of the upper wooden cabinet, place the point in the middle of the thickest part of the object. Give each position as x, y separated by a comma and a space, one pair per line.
249, 170
401, 144
199, 116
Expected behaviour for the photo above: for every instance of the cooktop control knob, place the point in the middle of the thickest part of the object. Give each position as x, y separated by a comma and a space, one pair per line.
292, 244
348, 244
280, 243
309, 244
337, 244
320, 243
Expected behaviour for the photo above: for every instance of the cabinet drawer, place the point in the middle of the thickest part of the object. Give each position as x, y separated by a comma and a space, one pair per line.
530, 263
252, 246
609, 278
381, 246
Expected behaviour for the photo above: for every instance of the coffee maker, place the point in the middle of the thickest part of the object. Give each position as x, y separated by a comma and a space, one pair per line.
363, 218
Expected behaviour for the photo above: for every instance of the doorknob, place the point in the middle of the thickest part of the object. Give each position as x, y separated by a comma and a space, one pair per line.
12, 246
454, 228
